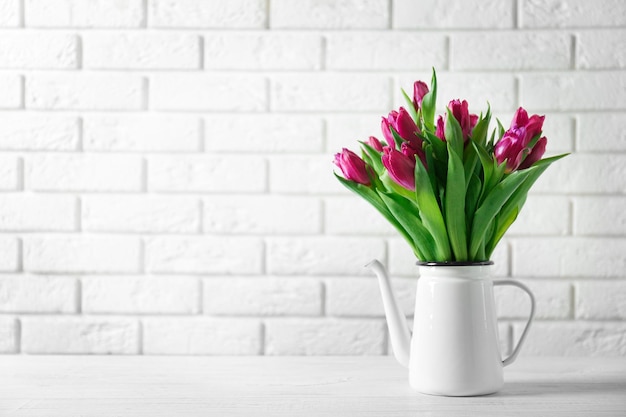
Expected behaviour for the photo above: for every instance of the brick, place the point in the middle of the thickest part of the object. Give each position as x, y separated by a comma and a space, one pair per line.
23, 212
208, 92
84, 91
311, 14
38, 50
34, 132
543, 215
265, 133
330, 92
207, 173
322, 255
385, 51
607, 126
210, 255
454, 14
201, 336
601, 300
264, 215
83, 172
601, 215
10, 172
559, 129
8, 335
571, 13
354, 216
553, 298
601, 49
358, 297
402, 260
10, 250
569, 257
262, 296
497, 89
79, 335
309, 175
240, 14
10, 91
64, 254
510, 51
9, 13
128, 50
140, 295
79, 13
561, 338
262, 51
344, 131
566, 175
324, 337
140, 213
141, 133
574, 91
38, 294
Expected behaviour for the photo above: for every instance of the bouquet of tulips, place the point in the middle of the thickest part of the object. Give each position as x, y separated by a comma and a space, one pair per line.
450, 189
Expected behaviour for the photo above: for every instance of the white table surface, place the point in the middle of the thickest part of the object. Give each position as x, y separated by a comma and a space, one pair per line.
154, 386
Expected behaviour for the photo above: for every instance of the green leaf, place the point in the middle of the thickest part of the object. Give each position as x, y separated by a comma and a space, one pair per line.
516, 201
396, 138
430, 212
455, 205
440, 149
479, 133
429, 103
374, 157
501, 128
405, 213
490, 207
470, 161
411, 107
454, 134
471, 199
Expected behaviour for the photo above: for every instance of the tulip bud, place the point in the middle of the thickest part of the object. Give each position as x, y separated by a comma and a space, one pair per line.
514, 146
537, 152
400, 167
420, 89
440, 129
352, 167
375, 143
467, 121
385, 126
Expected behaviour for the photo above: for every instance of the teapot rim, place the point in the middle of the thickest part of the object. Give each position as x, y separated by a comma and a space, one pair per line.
454, 263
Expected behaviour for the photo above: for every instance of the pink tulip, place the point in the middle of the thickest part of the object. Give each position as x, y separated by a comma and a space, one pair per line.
461, 113
440, 129
514, 146
375, 143
420, 89
403, 124
401, 167
352, 167
538, 150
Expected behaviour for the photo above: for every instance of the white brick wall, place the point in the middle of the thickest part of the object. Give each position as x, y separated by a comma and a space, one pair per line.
166, 181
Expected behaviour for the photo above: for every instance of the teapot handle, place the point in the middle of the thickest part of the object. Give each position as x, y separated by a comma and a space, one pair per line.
516, 350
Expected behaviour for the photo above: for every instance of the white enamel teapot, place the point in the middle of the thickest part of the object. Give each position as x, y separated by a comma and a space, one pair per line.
453, 349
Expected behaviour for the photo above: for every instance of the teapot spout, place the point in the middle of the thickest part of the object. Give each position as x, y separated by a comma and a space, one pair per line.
396, 321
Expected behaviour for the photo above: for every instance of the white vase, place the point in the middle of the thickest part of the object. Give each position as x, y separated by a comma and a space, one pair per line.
454, 348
